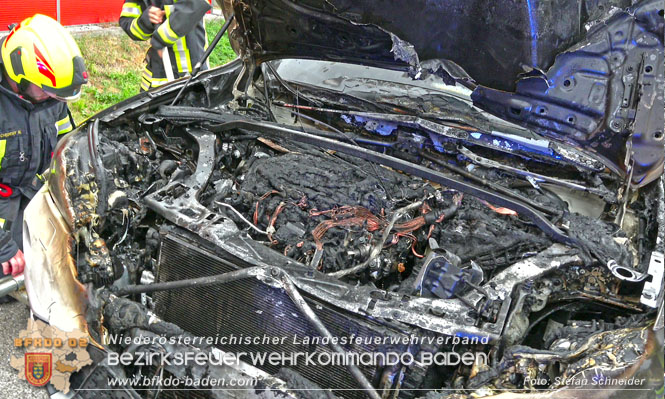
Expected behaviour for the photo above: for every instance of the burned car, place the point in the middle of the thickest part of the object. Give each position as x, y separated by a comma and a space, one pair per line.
427, 179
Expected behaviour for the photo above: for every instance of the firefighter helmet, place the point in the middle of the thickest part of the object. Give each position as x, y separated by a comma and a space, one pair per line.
40, 51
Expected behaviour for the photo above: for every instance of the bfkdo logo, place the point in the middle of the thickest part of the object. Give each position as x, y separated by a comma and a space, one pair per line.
38, 368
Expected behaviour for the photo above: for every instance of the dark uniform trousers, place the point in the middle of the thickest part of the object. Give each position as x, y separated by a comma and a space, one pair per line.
28, 136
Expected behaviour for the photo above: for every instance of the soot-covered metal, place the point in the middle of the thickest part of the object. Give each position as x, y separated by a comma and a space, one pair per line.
322, 198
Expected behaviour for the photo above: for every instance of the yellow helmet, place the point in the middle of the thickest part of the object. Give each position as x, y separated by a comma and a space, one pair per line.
40, 51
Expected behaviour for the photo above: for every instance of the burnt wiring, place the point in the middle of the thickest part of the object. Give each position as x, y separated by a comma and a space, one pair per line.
240, 215
286, 205
346, 216
273, 219
430, 218
379, 244
283, 172
255, 218
414, 241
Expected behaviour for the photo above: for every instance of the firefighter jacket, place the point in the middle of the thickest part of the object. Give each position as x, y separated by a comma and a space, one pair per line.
182, 32
28, 135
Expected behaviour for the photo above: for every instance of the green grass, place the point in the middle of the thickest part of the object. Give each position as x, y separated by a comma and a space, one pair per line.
223, 53
115, 63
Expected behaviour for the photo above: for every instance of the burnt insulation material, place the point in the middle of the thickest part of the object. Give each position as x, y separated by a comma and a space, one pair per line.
288, 193
328, 181
312, 181
479, 233
599, 239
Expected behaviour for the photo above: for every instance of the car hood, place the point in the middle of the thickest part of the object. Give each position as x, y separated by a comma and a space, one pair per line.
573, 86
506, 34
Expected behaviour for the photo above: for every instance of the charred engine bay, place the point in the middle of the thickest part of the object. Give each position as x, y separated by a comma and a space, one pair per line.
390, 208
373, 226
355, 219
331, 211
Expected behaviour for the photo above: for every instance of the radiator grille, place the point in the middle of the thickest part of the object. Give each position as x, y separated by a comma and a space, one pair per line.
251, 308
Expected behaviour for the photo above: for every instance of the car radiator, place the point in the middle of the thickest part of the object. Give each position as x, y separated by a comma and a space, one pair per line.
251, 308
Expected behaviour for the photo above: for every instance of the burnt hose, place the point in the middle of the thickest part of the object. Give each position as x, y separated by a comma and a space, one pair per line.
199, 64
432, 217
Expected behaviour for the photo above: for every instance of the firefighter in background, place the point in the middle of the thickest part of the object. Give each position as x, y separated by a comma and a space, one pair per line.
176, 32
42, 68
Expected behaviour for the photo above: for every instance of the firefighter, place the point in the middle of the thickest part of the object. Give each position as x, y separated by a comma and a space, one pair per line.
42, 69
176, 32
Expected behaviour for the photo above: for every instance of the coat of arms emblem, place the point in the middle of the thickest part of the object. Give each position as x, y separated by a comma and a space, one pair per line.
38, 368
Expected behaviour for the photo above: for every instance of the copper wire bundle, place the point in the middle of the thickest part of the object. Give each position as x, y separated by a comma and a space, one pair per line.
346, 216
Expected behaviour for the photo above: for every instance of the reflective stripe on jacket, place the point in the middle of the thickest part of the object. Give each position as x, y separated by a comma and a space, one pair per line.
182, 32
28, 136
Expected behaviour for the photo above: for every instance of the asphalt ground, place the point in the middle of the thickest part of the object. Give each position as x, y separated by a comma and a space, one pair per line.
13, 319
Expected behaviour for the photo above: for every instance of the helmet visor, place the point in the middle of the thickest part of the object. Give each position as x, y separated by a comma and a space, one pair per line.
72, 98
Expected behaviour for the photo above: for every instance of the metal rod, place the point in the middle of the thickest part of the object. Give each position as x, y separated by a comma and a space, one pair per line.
496, 187
283, 279
489, 163
189, 283
197, 67
11, 284
300, 303
228, 206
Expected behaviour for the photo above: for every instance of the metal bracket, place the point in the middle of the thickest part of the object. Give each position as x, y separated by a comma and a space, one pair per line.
652, 288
